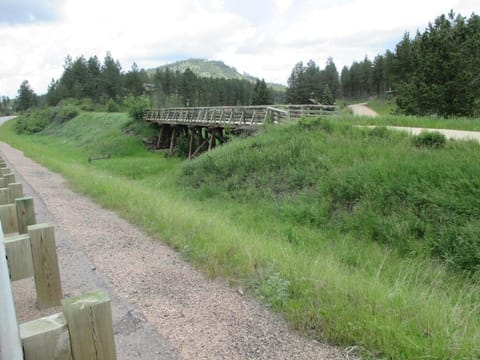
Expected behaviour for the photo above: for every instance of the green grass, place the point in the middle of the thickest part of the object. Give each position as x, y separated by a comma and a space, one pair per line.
382, 106
335, 227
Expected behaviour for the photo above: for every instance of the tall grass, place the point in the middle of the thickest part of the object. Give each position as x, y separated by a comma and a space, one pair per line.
327, 224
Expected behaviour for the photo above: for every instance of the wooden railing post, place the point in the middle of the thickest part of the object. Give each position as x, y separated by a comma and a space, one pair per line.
16, 191
45, 265
8, 218
89, 319
19, 254
4, 196
9, 178
46, 338
25, 214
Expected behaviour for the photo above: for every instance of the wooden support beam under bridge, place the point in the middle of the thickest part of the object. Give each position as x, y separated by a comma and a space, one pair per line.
206, 127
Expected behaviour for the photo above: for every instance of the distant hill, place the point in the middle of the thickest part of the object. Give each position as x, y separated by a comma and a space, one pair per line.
211, 68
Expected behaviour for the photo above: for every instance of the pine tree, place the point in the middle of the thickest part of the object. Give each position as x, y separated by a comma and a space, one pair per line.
26, 97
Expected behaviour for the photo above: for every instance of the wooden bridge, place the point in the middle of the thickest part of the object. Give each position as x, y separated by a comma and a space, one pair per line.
205, 127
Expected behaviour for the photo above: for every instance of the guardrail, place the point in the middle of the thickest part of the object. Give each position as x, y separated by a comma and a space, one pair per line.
84, 328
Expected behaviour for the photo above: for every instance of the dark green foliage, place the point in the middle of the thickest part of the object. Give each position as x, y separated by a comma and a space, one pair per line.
36, 120
187, 89
357, 81
261, 93
95, 81
26, 97
6, 107
112, 106
434, 73
309, 83
136, 106
372, 184
444, 69
64, 113
430, 139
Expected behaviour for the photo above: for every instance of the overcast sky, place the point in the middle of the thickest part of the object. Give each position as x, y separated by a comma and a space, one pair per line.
264, 38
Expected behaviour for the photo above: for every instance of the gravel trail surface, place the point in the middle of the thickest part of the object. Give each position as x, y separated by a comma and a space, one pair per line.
162, 307
362, 110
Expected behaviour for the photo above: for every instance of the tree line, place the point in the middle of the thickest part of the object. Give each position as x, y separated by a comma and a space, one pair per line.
106, 82
437, 72
6, 107
175, 88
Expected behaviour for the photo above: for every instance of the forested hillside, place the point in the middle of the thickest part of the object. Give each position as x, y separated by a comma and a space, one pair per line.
204, 68
84, 78
434, 72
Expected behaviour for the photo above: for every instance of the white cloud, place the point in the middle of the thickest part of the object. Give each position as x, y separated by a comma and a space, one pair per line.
264, 38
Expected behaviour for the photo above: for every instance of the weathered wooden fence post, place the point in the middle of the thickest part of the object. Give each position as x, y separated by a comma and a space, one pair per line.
4, 196
5, 171
19, 254
16, 191
46, 338
8, 218
45, 265
9, 178
25, 214
89, 319
9, 336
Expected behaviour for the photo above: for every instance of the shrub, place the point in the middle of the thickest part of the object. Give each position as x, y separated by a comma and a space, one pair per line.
430, 139
112, 106
136, 106
65, 113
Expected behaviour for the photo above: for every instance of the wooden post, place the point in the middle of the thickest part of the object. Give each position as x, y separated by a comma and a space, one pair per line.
19, 255
172, 141
25, 214
16, 191
211, 143
5, 171
45, 265
10, 347
159, 141
190, 143
8, 217
9, 178
4, 196
89, 319
46, 338
3, 183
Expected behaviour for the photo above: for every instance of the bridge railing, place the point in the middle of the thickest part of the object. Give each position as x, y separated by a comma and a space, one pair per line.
235, 116
308, 110
221, 115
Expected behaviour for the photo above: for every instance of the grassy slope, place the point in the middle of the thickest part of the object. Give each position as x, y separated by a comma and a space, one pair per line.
229, 213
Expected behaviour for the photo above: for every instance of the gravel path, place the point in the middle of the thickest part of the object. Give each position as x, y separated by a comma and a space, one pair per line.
362, 110
450, 134
162, 308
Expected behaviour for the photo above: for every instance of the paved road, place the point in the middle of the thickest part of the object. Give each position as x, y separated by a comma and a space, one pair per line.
4, 119
362, 110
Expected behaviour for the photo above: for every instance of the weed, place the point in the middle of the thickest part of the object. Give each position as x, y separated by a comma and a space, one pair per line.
430, 139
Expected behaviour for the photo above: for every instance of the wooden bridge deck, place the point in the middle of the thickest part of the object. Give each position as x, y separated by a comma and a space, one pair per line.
236, 117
